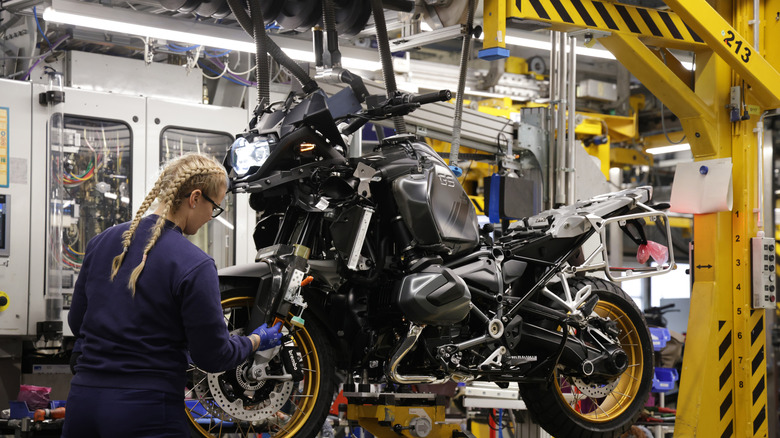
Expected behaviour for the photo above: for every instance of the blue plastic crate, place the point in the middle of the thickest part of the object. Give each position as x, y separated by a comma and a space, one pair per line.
20, 410
201, 415
660, 337
664, 379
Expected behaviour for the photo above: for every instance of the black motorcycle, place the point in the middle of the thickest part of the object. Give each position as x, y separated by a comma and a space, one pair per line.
381, 274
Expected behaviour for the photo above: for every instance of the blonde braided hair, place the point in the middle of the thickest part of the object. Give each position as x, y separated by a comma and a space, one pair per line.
178, 178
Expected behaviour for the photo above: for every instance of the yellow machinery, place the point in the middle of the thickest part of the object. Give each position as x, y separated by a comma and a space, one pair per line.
723, 389
401, 415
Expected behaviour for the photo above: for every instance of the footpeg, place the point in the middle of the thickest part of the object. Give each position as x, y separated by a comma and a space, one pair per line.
589, 305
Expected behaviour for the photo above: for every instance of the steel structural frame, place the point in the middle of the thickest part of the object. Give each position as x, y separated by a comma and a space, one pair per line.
724, 385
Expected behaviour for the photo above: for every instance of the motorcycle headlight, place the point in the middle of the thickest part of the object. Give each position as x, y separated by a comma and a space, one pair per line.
246, 154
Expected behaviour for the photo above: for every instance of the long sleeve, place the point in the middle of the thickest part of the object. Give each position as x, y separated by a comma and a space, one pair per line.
211, 346
78, 305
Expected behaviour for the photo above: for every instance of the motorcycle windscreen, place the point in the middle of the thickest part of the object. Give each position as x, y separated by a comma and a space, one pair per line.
437, 210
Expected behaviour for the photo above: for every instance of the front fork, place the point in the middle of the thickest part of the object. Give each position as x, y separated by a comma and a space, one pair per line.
289, 268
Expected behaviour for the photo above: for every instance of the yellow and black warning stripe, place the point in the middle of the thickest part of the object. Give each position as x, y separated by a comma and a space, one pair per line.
758, 371
611, 17
725, 381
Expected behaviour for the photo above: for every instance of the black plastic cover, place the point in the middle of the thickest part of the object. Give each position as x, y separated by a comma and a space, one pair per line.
481, 273
437, 210
435, 296
253, 280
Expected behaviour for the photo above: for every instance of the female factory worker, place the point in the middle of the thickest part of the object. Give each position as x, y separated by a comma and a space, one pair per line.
145, 297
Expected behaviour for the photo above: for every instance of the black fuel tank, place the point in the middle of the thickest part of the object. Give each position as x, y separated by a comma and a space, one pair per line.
435, 296
435, 207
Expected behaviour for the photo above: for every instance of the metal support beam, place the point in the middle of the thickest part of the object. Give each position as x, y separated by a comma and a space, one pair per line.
654, 27
696, 116
733, 48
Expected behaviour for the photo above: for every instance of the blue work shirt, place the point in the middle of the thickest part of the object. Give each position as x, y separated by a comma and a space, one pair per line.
142, 342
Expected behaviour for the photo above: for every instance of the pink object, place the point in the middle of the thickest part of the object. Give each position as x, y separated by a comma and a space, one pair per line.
658, 252
37, 397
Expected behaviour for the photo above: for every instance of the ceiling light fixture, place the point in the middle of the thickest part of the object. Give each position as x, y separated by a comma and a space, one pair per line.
669, 149
116, 20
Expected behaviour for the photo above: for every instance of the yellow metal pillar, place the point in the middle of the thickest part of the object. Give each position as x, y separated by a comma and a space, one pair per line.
494, 27
723, 384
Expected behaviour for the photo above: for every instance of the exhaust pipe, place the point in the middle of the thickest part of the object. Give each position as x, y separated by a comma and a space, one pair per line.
405, 347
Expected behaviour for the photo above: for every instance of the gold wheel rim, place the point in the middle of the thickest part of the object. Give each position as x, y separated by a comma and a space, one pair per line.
602, 410
304, 395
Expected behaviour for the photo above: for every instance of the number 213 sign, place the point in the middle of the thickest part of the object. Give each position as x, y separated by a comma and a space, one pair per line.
740, 48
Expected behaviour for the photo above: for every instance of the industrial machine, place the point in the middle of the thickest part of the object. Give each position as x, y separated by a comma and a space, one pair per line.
70, 169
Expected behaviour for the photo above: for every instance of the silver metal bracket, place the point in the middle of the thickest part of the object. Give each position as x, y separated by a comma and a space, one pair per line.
425, 38
572, 304
495, 358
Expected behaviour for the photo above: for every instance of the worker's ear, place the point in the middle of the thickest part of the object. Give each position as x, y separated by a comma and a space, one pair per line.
194, 197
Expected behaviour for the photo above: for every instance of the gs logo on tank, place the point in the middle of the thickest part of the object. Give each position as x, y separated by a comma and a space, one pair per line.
446, 180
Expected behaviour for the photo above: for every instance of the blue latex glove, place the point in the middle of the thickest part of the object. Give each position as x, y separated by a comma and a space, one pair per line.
269, 336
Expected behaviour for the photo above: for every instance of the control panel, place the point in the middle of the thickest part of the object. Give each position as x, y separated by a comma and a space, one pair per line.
763, 272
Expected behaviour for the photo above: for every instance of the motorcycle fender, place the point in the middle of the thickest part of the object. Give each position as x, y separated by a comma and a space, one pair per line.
260, 278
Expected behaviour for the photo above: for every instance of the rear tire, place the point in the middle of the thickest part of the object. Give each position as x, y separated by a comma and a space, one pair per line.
563, 410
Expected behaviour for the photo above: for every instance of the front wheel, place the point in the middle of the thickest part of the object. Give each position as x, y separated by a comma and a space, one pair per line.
226, 405
573, 408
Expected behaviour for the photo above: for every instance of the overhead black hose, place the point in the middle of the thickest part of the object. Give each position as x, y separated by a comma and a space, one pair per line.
317, 42
261, 73
464, 62
386, 57
237, 8
329, 15
309, 84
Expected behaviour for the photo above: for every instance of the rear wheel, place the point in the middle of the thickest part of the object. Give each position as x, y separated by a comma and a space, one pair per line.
225, 404
574, 408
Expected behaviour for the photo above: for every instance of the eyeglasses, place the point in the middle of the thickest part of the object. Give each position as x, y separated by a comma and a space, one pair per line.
216, 210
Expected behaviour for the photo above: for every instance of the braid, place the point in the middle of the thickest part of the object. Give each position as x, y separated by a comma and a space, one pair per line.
127, 236
166, 201
169, 203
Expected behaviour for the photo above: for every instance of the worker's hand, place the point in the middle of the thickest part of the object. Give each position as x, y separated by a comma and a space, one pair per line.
269, 336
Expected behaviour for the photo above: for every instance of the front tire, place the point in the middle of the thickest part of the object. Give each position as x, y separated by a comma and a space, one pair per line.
304, 407
567, 408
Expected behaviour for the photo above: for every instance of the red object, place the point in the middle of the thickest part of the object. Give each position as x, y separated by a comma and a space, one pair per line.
37, 397
45, 414
340, 399
658, 252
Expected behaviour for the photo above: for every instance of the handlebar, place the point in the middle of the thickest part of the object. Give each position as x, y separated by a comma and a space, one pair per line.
436, 96
381, 107
662, 309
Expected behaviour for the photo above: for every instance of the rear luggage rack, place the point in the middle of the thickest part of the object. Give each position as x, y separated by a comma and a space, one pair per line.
599, 257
